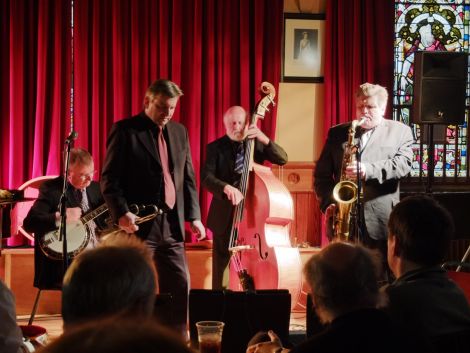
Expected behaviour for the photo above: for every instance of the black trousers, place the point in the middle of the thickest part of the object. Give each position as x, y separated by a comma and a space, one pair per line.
169, 257
220, 258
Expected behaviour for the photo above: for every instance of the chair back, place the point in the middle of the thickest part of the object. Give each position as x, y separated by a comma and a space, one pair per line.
19, 236
463, 281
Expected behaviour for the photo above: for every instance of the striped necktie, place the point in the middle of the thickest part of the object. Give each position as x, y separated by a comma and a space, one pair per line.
239, 158
85, 206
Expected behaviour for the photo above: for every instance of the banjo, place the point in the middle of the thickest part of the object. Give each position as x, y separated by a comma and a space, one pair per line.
78, 232
78, 236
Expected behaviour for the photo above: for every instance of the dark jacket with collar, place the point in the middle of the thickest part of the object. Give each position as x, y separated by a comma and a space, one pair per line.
218, 171
132, 171
387, 157
41, 219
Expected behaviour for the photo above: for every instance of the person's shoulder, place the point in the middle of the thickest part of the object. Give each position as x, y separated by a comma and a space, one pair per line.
217, 143
175, 127
94, 185
52, 183
397, 125
339, 128
135, 121
339, 131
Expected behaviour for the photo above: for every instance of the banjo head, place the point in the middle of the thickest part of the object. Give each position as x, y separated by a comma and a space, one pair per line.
77, 238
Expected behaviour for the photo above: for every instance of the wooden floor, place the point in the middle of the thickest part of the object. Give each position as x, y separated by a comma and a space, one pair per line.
16, 269
53, 324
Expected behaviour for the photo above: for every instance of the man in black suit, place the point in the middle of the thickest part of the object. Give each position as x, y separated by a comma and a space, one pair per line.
44, 217
221, 177
148, 162
422, 298
385, 157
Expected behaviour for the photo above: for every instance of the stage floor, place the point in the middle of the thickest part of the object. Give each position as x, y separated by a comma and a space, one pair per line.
53, 325
17, 271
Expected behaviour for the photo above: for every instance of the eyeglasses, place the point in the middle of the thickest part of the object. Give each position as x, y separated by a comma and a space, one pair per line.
84, 176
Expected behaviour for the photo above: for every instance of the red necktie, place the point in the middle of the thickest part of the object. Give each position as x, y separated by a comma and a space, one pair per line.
170, 193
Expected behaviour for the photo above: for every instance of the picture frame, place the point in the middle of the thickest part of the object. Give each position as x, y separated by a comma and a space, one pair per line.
304, 39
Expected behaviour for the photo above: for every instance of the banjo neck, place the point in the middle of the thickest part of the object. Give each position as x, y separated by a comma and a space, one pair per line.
93, 214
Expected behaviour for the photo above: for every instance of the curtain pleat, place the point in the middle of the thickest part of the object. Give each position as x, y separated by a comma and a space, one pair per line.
359, 48
35, 88
219, 52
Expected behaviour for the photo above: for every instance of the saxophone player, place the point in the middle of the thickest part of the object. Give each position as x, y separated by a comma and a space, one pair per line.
384, 156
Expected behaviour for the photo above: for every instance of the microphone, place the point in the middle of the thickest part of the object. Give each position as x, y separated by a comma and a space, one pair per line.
71, 137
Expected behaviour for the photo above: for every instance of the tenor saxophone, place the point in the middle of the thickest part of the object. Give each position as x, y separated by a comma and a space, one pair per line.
345, 191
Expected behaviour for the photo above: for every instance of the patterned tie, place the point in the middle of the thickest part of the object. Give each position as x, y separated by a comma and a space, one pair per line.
170, 192
239, 158
85, 206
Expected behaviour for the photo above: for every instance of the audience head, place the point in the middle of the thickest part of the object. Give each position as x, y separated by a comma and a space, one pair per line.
371, 102
235, 123
118, 335
419, 233
81, 168
116, 277
160, 101
342, 278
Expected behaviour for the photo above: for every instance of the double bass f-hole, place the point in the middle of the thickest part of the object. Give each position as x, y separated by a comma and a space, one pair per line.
265, 256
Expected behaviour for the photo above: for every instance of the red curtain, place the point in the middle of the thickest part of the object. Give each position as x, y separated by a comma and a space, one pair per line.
34, 96
217, 51
359, 48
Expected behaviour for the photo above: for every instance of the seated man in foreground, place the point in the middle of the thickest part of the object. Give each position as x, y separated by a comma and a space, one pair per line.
343, 279
423, 298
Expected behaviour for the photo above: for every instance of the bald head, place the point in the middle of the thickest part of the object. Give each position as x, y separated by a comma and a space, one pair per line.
235, 123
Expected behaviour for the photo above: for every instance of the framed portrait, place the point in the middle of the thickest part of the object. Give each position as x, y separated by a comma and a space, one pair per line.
304, 38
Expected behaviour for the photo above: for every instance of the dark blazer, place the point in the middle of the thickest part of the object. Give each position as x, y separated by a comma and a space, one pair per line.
387, 157
362, 331
132, 171
218, 172
41, 220
427, 302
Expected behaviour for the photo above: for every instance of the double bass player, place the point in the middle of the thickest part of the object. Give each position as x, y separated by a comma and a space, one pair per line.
221, 175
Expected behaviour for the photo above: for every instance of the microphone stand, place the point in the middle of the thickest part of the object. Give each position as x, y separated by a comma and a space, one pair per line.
359, 219
63, 200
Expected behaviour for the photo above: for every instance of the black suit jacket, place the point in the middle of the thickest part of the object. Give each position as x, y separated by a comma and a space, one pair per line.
132, 171
362, 331
387, 157
218, 172
41, 220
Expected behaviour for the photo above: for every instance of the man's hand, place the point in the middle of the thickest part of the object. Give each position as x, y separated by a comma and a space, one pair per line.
351, 170
255, 132
233, 194
329, 218
127, 222
273, 346
73, 214
198, 228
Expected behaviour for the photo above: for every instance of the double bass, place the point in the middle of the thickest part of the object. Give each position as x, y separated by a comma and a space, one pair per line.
262, 256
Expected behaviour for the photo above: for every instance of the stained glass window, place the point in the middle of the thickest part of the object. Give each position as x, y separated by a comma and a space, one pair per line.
430, 25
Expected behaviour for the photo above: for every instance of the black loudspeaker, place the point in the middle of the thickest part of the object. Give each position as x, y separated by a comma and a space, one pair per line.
244, 315
440, 82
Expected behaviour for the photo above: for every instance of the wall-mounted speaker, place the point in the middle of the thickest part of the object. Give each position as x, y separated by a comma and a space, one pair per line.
440, 82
